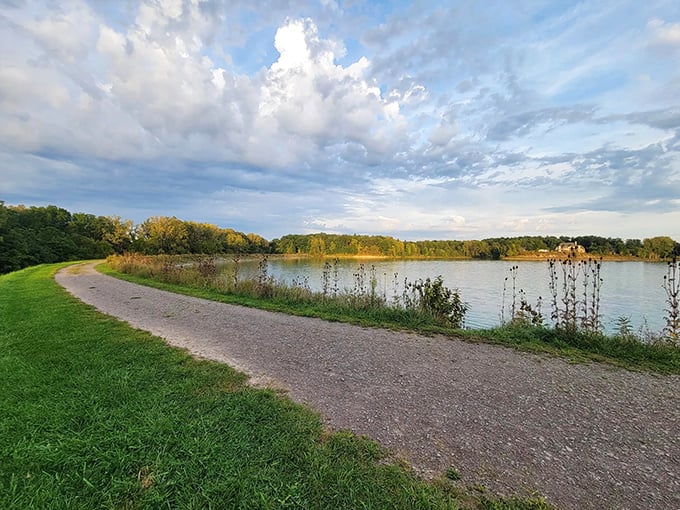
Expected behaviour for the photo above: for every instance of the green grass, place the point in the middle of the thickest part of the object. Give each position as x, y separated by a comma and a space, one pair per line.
582, 347
95, 414
576, 346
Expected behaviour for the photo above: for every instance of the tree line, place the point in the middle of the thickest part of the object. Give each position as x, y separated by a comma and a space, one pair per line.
36, 235
655, 248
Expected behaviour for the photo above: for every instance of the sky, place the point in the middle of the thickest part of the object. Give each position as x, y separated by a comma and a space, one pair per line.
419, 120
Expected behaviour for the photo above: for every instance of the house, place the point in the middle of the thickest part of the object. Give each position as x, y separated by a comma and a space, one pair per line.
570, 248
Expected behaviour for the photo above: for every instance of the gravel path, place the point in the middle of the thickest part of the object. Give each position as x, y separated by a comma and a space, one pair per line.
585, 436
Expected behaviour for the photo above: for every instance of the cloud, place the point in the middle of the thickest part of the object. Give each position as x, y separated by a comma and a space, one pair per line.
65, 33
524, 123
628, 181
667, 119
664, 34
157, 81
422, 119
305, 94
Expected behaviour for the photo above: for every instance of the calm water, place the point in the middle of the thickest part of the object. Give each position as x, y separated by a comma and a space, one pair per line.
631, 289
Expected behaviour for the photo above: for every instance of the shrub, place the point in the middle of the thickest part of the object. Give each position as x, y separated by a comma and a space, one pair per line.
442, 303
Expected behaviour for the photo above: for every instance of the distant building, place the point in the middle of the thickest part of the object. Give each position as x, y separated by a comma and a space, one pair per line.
570, 248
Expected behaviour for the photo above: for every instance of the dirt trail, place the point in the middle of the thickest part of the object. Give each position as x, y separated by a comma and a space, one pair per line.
585, 436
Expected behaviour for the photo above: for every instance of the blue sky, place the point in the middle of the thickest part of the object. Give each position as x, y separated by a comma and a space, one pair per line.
421, 120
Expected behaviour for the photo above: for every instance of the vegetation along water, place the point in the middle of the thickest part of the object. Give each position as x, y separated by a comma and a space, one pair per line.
571, 326
630, 289
87, 419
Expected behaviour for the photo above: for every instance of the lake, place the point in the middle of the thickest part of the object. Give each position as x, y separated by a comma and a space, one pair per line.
630, 289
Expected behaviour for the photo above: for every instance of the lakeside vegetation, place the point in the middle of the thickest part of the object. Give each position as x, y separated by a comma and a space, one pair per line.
573, 328
96, 414
37, 235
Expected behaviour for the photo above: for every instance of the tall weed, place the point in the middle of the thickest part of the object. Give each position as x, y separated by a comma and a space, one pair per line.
571, 310
521, 313
671, 285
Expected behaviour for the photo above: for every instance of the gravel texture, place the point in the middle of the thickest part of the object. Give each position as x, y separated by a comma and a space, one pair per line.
583, 435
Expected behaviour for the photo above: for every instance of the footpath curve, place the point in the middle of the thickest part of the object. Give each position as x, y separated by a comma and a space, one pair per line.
586, 436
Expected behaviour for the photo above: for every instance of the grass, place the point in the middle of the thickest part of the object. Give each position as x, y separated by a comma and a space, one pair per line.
95, 414
582, 346
575, 345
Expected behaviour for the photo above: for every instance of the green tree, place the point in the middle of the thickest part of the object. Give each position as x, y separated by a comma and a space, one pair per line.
117, 232
3, 220
203, 238
633, 247
163, 235
655, 248
233, 242
258, 244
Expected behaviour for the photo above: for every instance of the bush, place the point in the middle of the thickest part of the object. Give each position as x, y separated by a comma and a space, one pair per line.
442, 303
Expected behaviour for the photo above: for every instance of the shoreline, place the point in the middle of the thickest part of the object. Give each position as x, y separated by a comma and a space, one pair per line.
582, 256
534, 257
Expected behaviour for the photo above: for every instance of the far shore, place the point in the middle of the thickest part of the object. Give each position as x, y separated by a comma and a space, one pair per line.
531, 257
580, 256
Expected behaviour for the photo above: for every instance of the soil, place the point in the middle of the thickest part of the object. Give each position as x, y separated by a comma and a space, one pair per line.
586, 436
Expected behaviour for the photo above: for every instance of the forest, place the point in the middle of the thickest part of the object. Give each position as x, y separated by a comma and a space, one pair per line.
35, 235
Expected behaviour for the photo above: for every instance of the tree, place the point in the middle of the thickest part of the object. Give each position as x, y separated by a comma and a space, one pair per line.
3, 220
117, 232
655, 248
234, 242
632, 247
258, 244
163, 235
317, 246
203, 238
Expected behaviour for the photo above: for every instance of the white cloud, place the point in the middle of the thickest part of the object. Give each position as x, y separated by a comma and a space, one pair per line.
664, 33
66, 33
164, 81
443, 133
157, 79
306, 94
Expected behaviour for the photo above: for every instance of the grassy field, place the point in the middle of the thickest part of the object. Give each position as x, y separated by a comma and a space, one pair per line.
94, 414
